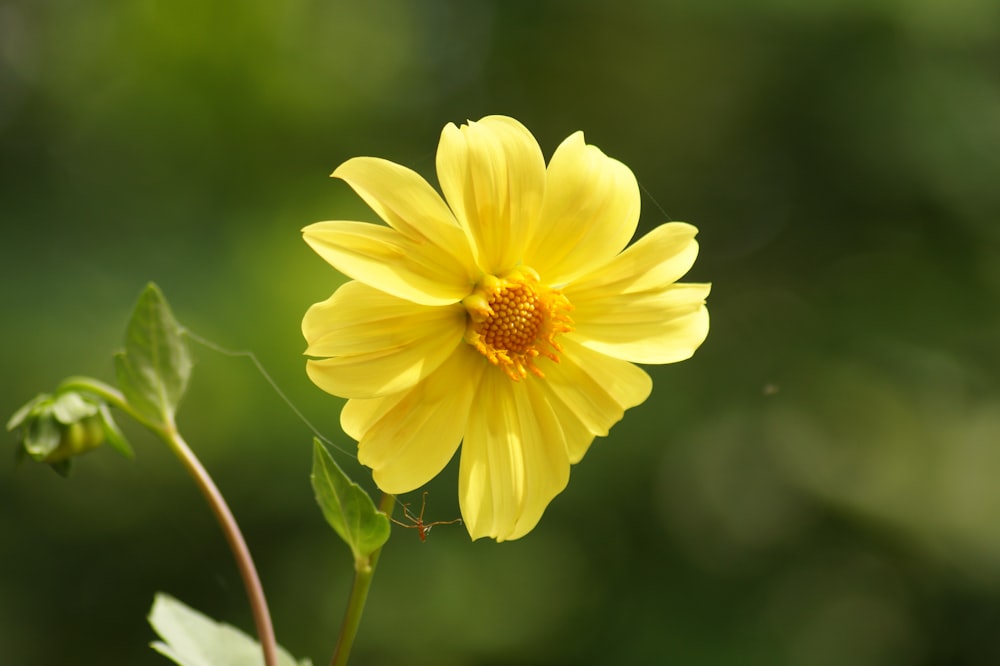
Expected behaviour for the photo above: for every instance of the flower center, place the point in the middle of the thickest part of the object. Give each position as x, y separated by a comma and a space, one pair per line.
513, 320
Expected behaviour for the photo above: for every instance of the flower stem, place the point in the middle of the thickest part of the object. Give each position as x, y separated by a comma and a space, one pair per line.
363, 572
231, 530
241, 553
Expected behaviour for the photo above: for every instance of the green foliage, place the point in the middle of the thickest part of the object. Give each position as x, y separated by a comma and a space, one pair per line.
154, 368
193, 639
56, 428
840, 158
347, 507
112, 434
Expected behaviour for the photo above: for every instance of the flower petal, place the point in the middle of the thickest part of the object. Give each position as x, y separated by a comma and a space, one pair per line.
408, 438
513, 461
657, 259
378, 344
492, 173
590, 212
408, 204
594, 387
359, 415
387, 260
575, 432
656, 326
358, 319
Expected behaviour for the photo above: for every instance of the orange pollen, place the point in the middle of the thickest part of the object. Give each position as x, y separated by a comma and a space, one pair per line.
513, 320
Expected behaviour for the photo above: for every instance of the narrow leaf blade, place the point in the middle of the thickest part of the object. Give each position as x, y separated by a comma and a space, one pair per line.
21, 414
114, 434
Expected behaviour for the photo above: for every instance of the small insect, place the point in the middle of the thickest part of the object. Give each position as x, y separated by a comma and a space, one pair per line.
417, 522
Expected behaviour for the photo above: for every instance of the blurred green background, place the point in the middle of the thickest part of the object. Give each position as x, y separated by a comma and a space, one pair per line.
818, 486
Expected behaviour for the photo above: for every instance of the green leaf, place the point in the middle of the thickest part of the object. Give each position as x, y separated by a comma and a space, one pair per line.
347, 508
154, 368
113, 434
27, 409
193, 639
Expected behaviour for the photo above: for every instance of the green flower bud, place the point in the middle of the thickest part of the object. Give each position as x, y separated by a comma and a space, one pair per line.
54, 429
77, 438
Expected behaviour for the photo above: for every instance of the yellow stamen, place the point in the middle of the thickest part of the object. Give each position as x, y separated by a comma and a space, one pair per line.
513, 320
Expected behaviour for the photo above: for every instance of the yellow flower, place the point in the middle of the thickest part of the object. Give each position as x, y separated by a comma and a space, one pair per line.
506, 320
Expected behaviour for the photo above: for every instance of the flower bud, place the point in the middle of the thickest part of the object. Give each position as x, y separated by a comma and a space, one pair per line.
56, 428
77, 437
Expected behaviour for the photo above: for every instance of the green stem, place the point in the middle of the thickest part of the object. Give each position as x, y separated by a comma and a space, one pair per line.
363, 572
218, 505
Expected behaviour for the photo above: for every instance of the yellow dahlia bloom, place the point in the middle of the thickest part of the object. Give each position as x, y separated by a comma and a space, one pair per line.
505, 317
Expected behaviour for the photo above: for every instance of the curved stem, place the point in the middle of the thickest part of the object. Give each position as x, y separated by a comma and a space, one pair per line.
231, 530
363, 573
241, 553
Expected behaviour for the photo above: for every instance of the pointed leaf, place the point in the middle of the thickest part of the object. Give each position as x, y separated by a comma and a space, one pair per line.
347, 507
113, 434
191, 638
20, 415
154, 368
